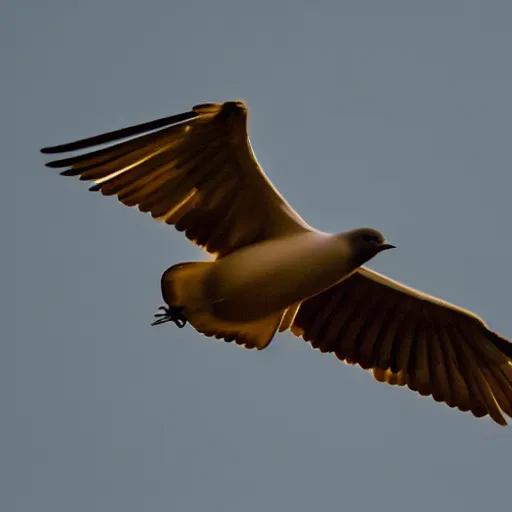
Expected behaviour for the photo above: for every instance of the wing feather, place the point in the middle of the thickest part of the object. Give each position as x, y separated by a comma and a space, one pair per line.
194, 170
409, 338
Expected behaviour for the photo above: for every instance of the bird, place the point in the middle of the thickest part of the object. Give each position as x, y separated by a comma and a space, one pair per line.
269, 271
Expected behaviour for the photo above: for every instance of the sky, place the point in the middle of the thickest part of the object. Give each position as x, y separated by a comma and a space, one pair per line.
395, 115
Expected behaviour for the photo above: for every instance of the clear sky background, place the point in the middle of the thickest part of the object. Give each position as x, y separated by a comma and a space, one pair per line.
391, 114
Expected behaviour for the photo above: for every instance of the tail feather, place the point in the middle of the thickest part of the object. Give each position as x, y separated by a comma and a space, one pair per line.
183, 287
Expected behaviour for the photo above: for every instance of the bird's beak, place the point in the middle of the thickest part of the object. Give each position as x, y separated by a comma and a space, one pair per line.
385, 246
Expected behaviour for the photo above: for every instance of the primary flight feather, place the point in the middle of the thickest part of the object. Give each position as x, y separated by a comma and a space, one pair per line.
271, 271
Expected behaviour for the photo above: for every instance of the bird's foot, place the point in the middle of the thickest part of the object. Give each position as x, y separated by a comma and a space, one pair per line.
170, 314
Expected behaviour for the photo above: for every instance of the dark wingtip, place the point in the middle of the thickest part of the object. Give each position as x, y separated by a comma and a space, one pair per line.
123, 133
71, 172
503, 344
55, 164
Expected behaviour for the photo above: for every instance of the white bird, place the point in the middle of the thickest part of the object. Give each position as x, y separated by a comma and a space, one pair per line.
272, 272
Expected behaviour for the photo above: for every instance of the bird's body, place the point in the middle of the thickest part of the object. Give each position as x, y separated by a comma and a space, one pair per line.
271, 271
251, 290
270, 276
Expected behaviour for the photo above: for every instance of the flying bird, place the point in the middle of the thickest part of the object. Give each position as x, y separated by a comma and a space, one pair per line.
270, 271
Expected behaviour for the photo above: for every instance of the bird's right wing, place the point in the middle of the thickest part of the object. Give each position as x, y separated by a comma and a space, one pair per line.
410, 338
194, 170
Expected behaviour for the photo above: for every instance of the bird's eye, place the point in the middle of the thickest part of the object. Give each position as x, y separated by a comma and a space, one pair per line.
372, 239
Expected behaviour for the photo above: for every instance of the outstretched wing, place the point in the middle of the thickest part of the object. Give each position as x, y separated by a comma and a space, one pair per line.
410, 338
194, 170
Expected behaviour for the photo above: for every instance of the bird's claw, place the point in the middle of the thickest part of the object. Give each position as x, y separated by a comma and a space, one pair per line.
170, 314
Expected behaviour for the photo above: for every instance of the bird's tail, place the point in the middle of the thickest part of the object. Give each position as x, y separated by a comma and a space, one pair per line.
183, 289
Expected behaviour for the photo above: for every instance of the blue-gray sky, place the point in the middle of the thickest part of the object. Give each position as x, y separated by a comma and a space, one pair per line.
395, 115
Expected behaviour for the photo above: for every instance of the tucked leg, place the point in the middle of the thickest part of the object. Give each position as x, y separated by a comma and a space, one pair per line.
170, 314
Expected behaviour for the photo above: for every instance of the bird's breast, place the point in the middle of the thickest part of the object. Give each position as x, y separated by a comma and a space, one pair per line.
264, 278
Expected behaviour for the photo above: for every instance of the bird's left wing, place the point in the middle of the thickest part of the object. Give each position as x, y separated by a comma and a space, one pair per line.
410, 338
194, 170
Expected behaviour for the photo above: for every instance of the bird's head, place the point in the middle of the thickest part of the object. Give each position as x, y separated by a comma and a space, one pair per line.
367, 243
